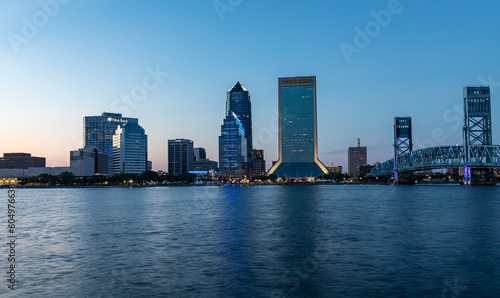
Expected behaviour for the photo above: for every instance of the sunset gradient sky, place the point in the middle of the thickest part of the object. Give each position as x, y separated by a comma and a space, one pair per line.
61, 62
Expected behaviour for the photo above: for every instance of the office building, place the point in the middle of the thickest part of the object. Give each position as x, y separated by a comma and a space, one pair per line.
180, 156
258, 162
204, 165
356, 157
98, 132
238, 102
88, 162
32, 172
456, 171
20, 161
364, 170
130, 149
233, 149
199, 153
334, 170
298, 141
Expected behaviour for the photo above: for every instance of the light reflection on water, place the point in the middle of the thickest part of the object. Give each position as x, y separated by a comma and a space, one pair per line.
259, 241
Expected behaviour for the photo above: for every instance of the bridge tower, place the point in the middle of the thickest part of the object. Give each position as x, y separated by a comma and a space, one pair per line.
477, 130
403, 143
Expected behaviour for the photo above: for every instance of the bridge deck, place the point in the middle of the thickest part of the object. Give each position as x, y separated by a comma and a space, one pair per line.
441, 157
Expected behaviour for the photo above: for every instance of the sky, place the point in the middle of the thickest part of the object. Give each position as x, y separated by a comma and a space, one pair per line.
170, 64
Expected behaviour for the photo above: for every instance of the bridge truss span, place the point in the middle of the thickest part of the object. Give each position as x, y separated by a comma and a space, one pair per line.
481, 156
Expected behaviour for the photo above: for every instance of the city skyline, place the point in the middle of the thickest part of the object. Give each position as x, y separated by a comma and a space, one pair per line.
178, 55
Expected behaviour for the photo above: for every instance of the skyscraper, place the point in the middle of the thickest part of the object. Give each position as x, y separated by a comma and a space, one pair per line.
238, 102
298, 142
180, 156
98, 132
232, 149
130, 149
356, 157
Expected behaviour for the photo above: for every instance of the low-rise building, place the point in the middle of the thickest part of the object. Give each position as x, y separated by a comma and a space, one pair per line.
364, 170
88, 162
334, 170
204, 165
20, 161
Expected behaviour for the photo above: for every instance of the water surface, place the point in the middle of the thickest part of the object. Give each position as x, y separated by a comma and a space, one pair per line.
260, 241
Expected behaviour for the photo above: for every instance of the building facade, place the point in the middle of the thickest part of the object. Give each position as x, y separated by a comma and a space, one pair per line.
258, 162
180, 156
365, 170
21, 161
88, 162
238, 102
98, 132
199, 153
298, 142
356, 157
233, 149
130, 149
204, 165
335, 170
32, 172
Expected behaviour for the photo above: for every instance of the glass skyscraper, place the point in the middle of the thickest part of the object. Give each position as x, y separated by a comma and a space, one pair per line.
180, 156
298, 142
238, 102
233, 156
98, 133
130, 149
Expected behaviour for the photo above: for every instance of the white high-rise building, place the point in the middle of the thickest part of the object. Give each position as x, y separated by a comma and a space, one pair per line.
130, 149
98, 133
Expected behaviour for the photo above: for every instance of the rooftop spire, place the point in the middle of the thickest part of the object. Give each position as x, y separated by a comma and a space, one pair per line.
237, 87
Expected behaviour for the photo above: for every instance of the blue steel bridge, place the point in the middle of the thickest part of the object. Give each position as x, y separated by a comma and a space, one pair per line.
477, 155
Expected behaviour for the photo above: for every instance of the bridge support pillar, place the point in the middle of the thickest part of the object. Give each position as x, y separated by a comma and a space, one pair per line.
479, 176
477, 132
404, 178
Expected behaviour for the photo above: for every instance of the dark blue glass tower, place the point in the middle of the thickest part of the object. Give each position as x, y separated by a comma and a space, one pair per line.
233, 149
298, 141
238, 102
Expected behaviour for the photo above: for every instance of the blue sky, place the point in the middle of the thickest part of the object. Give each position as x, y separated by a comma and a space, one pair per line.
86, 57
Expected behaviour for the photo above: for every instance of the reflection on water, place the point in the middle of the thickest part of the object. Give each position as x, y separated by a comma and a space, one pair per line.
268, 241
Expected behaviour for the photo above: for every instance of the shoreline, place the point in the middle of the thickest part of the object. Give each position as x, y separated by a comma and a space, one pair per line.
222, 185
